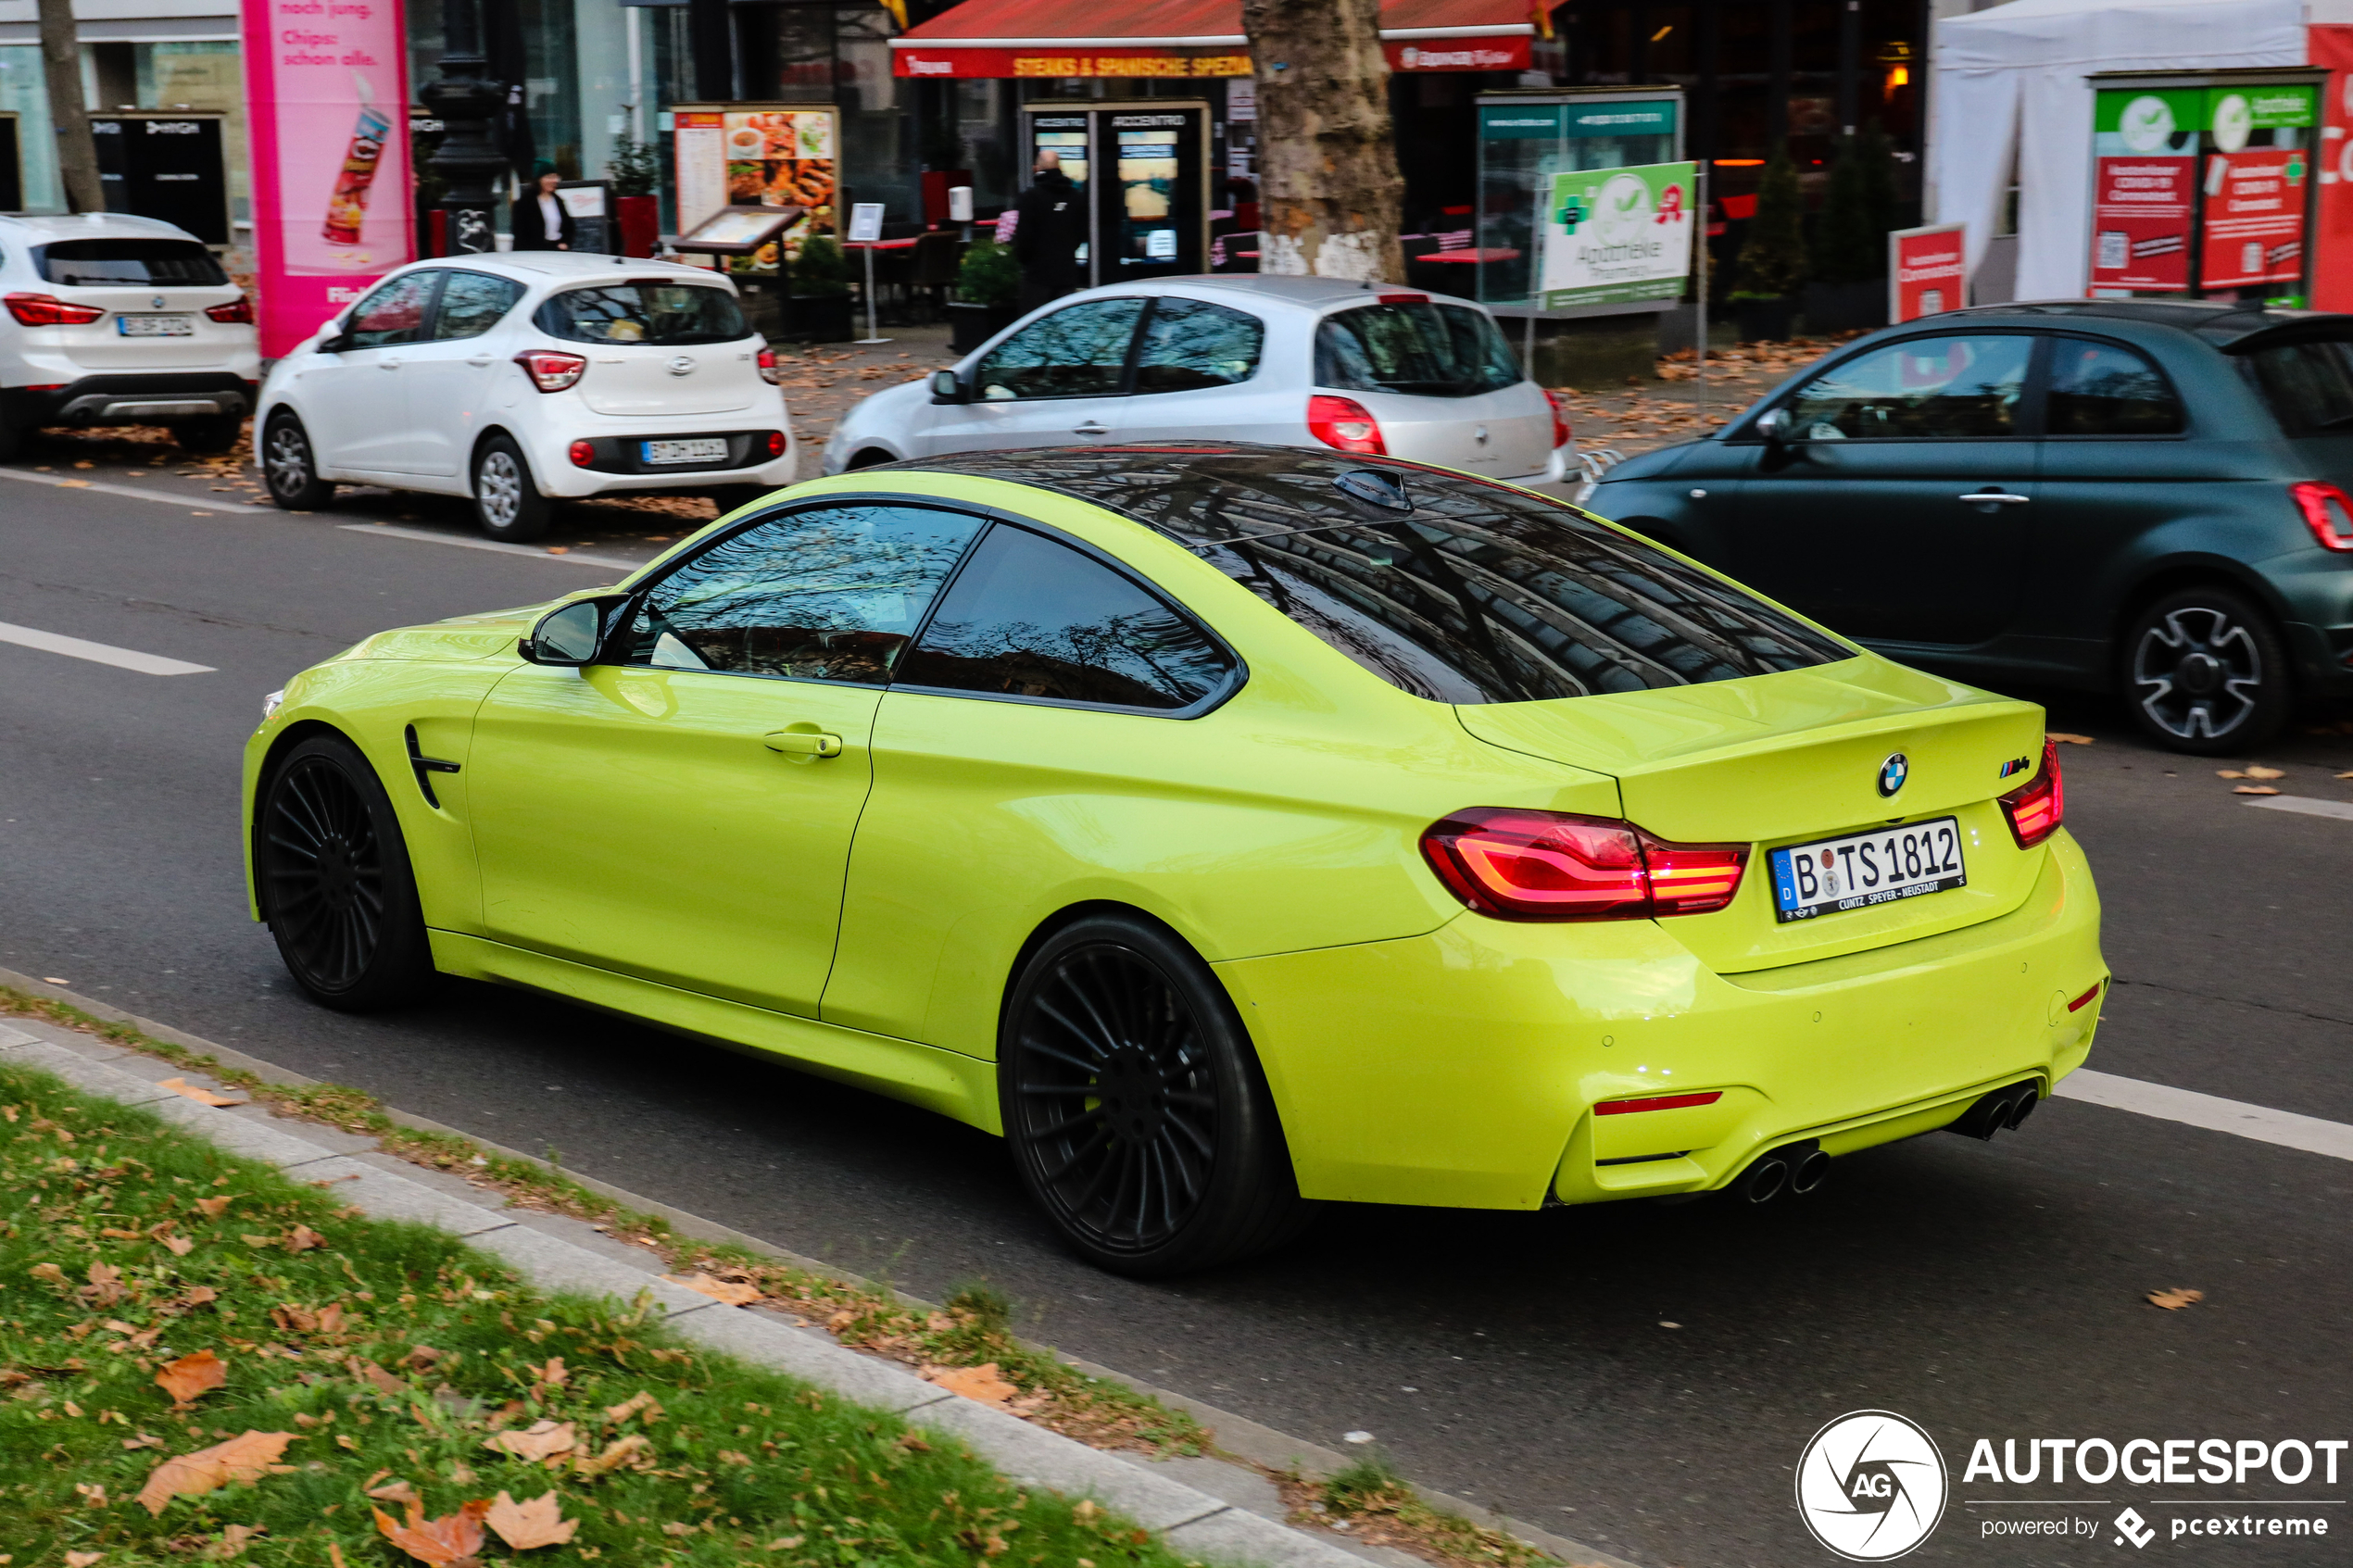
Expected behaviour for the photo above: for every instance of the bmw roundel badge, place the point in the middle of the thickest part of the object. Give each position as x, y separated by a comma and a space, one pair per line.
1892, 774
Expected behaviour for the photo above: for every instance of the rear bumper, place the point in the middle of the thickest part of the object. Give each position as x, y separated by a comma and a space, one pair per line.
126, 398
618, 468
1462, 1067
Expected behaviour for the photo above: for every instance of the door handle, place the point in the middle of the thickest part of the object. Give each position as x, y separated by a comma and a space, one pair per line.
1091, 428
479, 360
1996, 498
390, 362
802, 743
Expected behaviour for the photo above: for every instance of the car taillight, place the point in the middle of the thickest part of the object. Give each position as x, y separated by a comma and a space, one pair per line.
776, 443
49, 310
551, 369
584, 454
770, 371
1345, 424
1562, 434
2328, 512
1548, 865
2037, 806
238, 311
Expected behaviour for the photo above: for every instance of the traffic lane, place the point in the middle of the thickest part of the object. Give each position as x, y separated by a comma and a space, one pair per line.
1984, 1290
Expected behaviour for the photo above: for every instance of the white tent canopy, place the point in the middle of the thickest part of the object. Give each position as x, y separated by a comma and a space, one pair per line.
2011, 78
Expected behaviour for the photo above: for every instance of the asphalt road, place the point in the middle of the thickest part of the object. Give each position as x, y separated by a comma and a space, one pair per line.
1523, 1360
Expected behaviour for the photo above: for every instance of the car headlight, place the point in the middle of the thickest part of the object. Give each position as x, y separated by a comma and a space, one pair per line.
271, 703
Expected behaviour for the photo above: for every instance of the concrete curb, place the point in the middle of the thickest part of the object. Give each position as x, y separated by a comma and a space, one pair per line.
1235, 1519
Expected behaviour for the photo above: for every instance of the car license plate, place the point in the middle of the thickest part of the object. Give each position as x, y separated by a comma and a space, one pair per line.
155, 326
710, 450
1864, 869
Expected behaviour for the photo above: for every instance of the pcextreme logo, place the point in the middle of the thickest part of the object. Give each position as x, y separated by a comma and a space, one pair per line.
1871, 1486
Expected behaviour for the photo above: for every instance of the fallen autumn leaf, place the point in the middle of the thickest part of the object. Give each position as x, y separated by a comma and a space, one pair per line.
2256, 772
978, 1383
2173, 1301
2254, 789
195, 1092
2065, 739
244, 1458
733, 1294
524, 1525
453, 1538
542, 1441
192, 1375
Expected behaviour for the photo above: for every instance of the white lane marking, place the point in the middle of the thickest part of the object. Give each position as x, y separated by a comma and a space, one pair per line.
426, 536
99, 653
2260, 1122
169, 498
2306, 804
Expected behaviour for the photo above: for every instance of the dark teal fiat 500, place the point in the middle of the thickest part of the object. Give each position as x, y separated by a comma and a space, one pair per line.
2149, 497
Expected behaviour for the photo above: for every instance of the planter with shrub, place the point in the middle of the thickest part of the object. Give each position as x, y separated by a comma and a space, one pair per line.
819, 308
987, 285
1771, 269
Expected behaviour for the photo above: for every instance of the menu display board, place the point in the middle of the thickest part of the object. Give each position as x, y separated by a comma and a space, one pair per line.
2141, 214
1608, 235
2254, 231
758, 154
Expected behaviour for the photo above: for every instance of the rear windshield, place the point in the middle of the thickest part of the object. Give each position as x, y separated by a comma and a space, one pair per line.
1477, 593
1426, 350
664, 314
138, 263
2309, 385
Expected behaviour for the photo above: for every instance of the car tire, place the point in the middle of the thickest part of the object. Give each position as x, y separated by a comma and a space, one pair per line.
871, 457
728, 497
1135, 1107
289, 468
508, 505
335, 882
213, 432
2204, 671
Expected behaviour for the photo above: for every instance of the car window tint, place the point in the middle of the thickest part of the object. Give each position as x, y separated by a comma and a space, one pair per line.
1949, 388
2105, 389
139, 263
2309, 385
1482, 593
395, 313
1079, 351
1421, 349
831, 594
1028, 617
472, 304
1188, 343
664, 314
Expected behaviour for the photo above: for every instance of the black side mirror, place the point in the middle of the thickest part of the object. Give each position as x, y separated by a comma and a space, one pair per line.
946, 387
339, 344
1773, 425
571, 636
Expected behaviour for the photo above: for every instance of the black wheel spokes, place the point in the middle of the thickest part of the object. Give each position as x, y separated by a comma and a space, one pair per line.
324, 868
2198, 673
1130, 1161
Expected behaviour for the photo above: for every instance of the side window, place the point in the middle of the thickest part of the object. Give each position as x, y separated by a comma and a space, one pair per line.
1080, 351
1926, 388
2105, 389
1189, 344
395, 313
1032, 618
831, 594
471, 303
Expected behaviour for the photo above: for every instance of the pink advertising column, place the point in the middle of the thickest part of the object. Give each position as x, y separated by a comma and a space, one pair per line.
327, 98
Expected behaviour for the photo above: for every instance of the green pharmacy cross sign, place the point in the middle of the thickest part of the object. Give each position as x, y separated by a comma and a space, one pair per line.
1611, 235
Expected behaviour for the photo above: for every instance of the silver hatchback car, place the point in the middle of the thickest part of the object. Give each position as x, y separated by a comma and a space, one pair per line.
1313, 362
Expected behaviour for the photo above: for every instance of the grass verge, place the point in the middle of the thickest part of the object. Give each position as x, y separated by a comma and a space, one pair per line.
975, 1331
1377, 1505
202, 1359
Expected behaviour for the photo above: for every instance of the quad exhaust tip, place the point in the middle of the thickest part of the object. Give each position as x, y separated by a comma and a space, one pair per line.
1798, 1168
2006, 1108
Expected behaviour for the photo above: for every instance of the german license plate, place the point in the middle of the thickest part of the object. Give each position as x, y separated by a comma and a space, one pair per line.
710, 450
155, 326
1864, 869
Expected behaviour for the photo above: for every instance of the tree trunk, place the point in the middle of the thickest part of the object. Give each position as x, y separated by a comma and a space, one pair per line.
1329, 188
61, 72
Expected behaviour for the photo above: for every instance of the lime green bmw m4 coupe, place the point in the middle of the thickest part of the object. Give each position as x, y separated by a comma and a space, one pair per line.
1232, 829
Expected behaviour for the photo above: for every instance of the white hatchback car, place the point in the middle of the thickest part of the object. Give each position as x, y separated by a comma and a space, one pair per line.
1297, 361
113, 319
517, 380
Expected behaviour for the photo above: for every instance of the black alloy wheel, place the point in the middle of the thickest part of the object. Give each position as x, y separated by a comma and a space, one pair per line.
1135, 1107
288, 467
335, 881
2205, 673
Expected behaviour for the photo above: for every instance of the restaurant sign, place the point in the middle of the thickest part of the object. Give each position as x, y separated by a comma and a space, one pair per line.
1047, 60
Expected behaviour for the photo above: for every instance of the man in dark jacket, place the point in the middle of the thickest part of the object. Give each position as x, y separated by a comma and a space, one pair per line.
1049, 227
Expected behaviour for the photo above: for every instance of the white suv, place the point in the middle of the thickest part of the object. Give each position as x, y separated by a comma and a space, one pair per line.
113, 319
517, 380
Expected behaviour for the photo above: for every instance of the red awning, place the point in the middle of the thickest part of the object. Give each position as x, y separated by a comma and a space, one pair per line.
1165, 37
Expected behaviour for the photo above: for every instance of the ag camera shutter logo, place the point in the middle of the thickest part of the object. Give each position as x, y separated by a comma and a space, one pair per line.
1871, 1486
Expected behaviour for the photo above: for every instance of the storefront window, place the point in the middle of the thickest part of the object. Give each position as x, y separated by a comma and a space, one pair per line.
22, 95
202, 75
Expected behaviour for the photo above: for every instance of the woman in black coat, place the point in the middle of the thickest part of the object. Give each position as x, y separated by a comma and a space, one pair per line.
531, 219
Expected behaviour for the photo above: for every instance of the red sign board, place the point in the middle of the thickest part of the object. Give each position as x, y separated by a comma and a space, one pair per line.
2140, 222
1925, 271
2254, 231
2332, 238
1504, 53
912, 58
